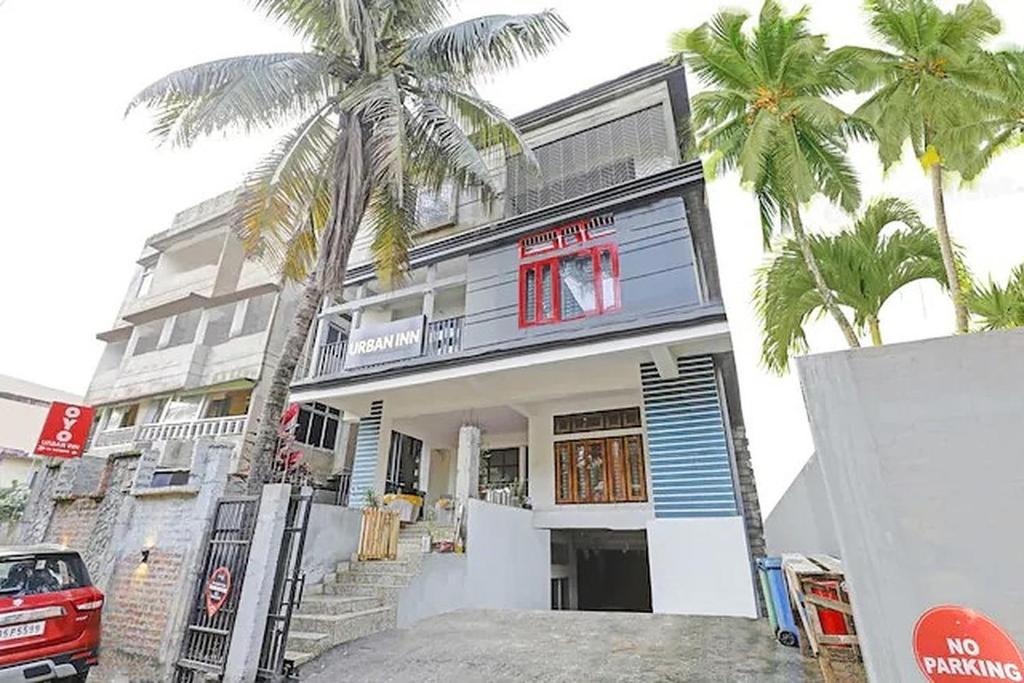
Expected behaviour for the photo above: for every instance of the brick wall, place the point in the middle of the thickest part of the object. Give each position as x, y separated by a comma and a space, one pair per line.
72, 524
135, 618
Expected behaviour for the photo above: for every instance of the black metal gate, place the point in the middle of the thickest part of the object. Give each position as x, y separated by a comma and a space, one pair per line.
288, 585
208, 635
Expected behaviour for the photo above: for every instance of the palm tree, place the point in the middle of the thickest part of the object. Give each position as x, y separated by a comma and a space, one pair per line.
974, 145
765, 111
928, 84
1000, 307
382, 105
863, 268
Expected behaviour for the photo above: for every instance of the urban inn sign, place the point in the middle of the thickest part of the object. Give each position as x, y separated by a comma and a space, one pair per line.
385, 343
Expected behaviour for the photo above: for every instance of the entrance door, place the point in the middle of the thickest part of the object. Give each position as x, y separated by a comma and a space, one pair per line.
403, 464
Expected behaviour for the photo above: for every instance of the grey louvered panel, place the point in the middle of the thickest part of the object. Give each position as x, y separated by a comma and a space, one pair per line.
603, 156
364, 464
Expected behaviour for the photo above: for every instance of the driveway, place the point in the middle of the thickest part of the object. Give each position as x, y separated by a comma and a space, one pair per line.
587, 647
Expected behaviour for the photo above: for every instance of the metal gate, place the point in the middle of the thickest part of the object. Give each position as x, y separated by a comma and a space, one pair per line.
288, 585
205, 648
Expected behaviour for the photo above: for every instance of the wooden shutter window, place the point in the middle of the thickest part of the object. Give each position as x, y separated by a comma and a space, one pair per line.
600, 471
563, 473
637, 488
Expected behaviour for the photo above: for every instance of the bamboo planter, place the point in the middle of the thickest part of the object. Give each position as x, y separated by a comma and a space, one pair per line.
378, 537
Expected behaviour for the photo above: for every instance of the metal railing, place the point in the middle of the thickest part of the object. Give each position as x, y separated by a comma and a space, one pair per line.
444, 337
330, 359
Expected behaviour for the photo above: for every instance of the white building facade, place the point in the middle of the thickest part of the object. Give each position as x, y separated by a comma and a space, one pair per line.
186, 358
23, 409
565, 350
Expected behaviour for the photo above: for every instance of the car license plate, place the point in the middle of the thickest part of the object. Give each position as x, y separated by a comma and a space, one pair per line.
33, 628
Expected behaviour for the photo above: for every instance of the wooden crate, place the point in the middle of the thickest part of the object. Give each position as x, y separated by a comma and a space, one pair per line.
378, 537
804, 575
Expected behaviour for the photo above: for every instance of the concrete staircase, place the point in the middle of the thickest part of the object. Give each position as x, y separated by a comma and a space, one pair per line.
357, 599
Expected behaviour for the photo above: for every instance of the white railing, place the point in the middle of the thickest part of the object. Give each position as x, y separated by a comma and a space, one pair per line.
331, 358
501, 495
210, 427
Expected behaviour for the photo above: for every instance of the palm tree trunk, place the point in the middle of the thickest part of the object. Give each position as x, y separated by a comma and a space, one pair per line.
350, 197
819, 280
876, 330
946, 246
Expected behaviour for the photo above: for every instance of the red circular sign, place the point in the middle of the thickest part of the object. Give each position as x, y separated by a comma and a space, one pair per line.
956, 644
217, 588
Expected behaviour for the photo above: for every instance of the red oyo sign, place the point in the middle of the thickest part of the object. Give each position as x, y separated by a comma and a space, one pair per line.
956, 644
217, 588
65, 431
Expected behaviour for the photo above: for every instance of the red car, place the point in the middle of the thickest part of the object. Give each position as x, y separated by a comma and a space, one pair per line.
49, 615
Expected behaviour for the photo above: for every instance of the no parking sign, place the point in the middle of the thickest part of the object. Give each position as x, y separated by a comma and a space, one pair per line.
956, 644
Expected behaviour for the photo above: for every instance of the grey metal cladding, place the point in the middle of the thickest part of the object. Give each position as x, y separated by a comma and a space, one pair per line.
656, 273
609, 154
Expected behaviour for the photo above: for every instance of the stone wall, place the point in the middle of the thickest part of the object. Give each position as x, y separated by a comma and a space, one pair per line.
110, 516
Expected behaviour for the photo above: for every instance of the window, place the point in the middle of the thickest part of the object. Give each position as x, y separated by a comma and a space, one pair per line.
145, 282
499, 467
600, 471
182, 409
183, 331
147, 337
580, 280
317, 425
39, 574
218, 324
228, 404
124, 416
257, 314
620, 418
154, 409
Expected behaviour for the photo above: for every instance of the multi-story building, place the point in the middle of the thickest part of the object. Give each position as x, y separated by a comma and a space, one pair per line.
568, 343
198, 330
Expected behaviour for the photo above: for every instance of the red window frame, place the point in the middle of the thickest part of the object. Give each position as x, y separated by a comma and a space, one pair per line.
537, 268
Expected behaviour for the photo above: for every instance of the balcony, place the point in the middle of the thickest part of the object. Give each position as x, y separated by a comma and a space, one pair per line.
442, 338
206, 428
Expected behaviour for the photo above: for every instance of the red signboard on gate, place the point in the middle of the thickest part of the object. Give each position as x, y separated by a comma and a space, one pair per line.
65, 431
956, 645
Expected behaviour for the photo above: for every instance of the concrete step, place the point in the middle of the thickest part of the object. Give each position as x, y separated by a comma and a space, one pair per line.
348, 590
379, 578
299, 658
345, 627
335, 604
385, 593
403, 566
312, 642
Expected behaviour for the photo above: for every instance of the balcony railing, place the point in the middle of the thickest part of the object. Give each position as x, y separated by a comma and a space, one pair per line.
443, 337
211, 427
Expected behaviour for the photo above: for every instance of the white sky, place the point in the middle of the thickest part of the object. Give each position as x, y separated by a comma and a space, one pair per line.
81, 188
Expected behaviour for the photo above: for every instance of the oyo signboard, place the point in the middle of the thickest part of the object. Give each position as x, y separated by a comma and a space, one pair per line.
65, 431
955, 645
218, 586
384, 343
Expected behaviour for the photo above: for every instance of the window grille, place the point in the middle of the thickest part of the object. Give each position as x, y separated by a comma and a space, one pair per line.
630, 147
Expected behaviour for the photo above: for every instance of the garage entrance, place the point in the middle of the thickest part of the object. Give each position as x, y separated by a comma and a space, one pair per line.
600, 570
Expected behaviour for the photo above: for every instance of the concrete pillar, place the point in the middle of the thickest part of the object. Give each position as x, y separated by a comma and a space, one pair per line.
258, 585
424, 484
467, 467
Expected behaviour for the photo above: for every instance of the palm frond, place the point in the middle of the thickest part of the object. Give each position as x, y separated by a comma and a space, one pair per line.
393, 226
243, 93
484, 45
314, 20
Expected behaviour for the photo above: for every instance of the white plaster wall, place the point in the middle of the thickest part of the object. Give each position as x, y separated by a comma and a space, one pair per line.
507, 565
920, 449
701, 566
332, 537
16, 469
802, 520
542, 467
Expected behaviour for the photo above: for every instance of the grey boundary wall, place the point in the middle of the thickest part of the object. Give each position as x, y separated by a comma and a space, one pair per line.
919, 446
101, 508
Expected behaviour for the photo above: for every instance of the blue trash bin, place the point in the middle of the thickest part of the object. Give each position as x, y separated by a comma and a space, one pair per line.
785, 626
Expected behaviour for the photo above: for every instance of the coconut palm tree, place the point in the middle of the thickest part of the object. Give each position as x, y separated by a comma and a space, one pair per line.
380, 105
930, 81
864, 265
974, 145
765, 111
999, 307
